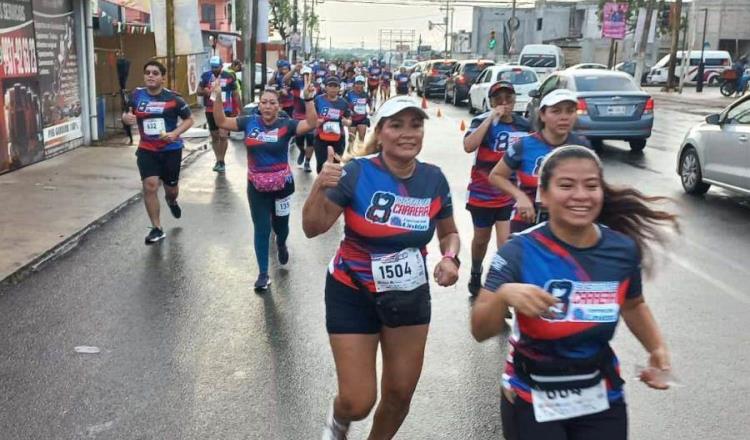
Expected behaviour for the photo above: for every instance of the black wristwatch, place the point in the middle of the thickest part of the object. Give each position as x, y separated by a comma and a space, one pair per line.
308, 99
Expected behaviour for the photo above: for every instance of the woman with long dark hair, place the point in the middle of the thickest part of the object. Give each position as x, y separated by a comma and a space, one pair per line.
570, 279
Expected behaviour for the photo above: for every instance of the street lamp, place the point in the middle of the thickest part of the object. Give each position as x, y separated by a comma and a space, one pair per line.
702, 64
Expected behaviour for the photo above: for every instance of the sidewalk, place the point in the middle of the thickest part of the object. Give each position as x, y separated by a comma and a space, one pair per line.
711, 97
50, 205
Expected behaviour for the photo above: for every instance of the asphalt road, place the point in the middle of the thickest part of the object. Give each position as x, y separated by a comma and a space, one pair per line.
188, 351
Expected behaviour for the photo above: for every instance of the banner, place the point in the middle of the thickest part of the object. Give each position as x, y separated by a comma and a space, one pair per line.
20, 121
192, 74
58, 71
613, 23
187, 28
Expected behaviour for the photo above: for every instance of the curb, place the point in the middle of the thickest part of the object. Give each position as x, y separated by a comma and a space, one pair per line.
70, 243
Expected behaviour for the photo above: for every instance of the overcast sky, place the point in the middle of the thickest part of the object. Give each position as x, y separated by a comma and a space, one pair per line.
350, 24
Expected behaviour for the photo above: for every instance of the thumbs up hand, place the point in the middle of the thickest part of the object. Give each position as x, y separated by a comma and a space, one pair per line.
332, 170
129, 118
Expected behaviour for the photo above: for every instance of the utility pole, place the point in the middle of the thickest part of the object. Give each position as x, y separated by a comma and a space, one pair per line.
170, 44
314, 47
253, 40
294, 28
447, 11
675, 17
702, 64
641, 57
304, 28
513, 27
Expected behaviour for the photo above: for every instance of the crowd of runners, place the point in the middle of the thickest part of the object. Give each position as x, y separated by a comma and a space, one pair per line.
569, 272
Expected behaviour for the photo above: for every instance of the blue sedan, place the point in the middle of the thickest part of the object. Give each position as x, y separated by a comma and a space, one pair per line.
610, 105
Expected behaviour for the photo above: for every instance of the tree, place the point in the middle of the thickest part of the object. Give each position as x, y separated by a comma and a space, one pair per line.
282, 17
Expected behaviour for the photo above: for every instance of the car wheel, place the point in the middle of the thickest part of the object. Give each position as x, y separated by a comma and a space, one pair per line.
637, 145
691, 176
471, 106
597, 145
455, 100
445, 96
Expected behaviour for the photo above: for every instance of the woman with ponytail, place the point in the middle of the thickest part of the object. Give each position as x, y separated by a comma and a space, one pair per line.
570, 279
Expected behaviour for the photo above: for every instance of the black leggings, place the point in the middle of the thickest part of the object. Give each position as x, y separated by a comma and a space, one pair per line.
519, 424
321, 151
307, 139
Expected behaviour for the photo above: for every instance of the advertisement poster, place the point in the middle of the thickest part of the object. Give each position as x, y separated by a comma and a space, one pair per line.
192, 66
614, 25
20, 121
58, 71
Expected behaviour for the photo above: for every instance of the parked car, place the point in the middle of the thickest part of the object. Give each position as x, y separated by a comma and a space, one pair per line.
588, 66
415, 74
523, 78
611, 106
543, 58
258, 74
715, 61
717, 152
408, 64
629, 68
431, 81
461, 76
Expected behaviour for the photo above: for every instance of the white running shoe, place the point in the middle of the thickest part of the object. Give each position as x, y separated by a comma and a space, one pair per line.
334, 430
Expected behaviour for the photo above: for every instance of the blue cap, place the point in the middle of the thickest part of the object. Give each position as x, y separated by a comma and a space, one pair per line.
215, 61
282, 63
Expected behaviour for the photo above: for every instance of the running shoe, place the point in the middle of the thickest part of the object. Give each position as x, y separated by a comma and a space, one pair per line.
300, 160
155, 235
175, 209
220, 167
475, 283
308, 168
283, 254
262, 283
334, 430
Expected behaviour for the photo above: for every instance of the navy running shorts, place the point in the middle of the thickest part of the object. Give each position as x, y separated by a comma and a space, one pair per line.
486, 217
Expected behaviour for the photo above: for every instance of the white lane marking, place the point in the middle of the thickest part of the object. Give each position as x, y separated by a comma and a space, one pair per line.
722, 287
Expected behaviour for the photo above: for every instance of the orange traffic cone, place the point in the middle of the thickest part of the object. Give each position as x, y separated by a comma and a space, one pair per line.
424, 102
462, 127
439, 113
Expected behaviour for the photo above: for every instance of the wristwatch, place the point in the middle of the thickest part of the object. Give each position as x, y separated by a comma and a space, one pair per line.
452, 255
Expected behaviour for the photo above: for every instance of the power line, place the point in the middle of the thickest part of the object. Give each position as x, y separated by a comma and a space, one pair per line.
383, 20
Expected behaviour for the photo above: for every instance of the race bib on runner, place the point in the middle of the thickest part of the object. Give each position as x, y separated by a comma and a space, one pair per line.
332, 127
569, 403
283, 206
154, 126
360, 109
402, 270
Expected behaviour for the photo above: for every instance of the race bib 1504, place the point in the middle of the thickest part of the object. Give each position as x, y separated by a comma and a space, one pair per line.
402, 270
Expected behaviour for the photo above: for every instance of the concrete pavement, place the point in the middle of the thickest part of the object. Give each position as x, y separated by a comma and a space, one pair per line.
49, 205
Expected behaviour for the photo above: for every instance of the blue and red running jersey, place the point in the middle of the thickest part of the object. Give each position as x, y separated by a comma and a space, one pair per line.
591, 285
384, 214
330, 115
525, 157
228, 87
286, 96
386, 77
499, 137
267, 145
402, 83
157, 114
359, 105
373, 75
297, 85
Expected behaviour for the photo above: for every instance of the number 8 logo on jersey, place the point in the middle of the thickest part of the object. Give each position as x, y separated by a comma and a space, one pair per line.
380, 207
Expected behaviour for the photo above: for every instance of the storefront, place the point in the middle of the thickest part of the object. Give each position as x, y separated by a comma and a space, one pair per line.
43, 66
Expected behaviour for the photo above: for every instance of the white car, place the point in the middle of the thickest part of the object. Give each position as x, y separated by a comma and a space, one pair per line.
523, 78
408, 64
715, 152
258, 72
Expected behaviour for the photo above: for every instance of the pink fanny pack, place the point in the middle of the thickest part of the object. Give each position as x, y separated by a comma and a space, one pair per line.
271, 181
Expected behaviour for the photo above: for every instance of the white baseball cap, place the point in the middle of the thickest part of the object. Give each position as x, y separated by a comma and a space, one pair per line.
396, 105
557, 96
306, 69
359, 78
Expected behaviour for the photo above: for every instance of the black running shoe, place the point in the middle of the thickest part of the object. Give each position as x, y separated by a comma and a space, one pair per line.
283, 254
175, 210
475, 283
155, 235
308, 168
300, 160
262, 283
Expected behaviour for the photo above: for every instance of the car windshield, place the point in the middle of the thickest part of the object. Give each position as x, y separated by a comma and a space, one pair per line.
517, 76
593, 83
442, 67
538, 60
